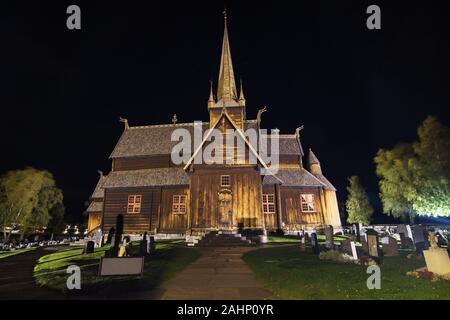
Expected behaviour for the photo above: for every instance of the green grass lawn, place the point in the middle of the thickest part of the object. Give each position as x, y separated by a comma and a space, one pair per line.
292, 274
169, 258
5, 254
296, 239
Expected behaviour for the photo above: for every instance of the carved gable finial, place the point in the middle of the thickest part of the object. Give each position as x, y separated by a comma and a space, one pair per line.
125, 121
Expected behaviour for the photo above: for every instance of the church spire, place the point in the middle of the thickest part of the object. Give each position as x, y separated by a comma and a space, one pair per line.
241, 96
227, 84
211, 101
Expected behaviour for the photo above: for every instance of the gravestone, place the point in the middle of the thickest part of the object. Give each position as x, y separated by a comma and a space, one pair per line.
306, 237
346, 246
111, 233
98, 238
118, 235
372, 245
315, 243
390, 248
152, 245
441, 239
143, 246
406, 242
364, 245
329, 240
354, 252
358, 232
419, 238
89, 248
437, 259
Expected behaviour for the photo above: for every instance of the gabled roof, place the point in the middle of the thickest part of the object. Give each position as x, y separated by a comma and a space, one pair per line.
150, 140
328, 185
95, 206
288, 144
240, 133
147, 178
99, 192
155, 139
294, 177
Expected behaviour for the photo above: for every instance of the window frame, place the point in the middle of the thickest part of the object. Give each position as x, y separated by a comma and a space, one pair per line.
308, 203
227, 177
267, 204
134, 206
179, 203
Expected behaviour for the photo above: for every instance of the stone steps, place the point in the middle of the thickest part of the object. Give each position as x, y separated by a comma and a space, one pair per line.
221, 239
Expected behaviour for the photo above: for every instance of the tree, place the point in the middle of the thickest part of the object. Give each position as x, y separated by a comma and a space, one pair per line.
415, 178
358, 207
27, 197
431, 168
397, 182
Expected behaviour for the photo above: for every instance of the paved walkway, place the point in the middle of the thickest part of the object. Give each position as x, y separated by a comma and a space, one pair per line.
219, 274
16, 276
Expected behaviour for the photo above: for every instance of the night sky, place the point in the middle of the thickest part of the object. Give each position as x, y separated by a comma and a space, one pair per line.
310, 62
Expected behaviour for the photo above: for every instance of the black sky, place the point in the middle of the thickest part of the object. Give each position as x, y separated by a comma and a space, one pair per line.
311, 62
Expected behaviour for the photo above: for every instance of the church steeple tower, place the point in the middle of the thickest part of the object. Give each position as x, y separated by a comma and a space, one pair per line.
227, 95
227, 83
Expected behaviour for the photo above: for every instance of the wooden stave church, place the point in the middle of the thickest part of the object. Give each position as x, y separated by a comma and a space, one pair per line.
150, 191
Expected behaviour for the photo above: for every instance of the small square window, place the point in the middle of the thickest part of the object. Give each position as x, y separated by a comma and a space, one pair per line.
179, 204
268, 203
134, 204
307, 203
225, 181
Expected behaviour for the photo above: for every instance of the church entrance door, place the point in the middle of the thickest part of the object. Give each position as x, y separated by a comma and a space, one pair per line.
225, 214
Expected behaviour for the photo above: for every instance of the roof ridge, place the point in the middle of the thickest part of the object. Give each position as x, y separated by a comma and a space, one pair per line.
167, 125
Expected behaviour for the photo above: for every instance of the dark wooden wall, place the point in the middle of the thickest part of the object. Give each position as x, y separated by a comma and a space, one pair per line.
139, 163
116, 201
246, 197
168, 221
290, 204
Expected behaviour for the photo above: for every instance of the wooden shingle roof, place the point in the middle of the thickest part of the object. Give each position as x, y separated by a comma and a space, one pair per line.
156, 140
294, 177
95, 206
99, 192
147, 178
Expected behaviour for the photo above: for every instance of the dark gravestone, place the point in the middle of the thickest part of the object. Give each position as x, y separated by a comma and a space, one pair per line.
373, 245
111, 233
329, 239
358, 232
390, 248
143, 250
315, 243
118, 235
346, 246
419, 238
364, 246
89, 248
307, 236
152, 245
406, 242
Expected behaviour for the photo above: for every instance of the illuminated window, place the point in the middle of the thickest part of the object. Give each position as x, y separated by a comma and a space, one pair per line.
268, 203
179, 204
134, 204
307, 201
225, 181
